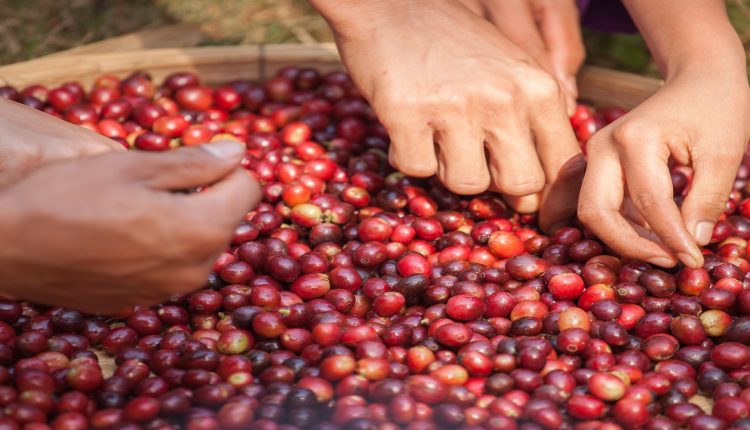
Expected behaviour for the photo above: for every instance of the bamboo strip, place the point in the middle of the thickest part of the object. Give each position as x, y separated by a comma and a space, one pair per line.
222, 63
615, 88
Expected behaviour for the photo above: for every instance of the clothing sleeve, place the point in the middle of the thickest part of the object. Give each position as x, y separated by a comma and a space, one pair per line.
606, 15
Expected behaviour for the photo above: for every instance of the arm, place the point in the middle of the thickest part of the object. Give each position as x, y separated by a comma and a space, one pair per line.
690, 37
699, 118
439, 75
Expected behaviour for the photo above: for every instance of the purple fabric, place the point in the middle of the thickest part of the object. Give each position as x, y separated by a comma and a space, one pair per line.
606, 15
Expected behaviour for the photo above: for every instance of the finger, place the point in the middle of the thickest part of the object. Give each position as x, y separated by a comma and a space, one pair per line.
101, 145
561, 159
225, 202
560, 29
525, 204
189, 167
650, 188
713, 177
111, 145
630, 212
412, 150
462, 167
559, 200
600, 200
213, 214
514, 165
647, 234
515, 20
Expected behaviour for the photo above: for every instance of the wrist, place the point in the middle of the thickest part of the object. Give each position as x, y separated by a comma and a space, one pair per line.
698, 40
691, 37
355, 18
721, 58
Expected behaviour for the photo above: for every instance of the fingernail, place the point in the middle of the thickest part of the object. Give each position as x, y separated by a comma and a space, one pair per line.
225, 149
687, 260
662, 261
703, 232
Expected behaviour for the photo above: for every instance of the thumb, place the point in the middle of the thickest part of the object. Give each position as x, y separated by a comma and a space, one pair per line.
560, 28
190, 167
713, 177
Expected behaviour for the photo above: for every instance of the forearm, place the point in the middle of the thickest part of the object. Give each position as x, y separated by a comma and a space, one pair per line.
351, 12
690, 36
366, 16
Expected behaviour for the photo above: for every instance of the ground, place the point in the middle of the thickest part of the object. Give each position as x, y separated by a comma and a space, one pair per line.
31, 28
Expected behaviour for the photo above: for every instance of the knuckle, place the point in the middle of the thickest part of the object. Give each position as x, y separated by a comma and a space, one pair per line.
468, 185
389, 100
419, 169
541, 87
433, 105
406, 104
670, 236
632, 134
647, 201
714, 202
524, 205
596, 143
523, 185
26, 159
505, 97
588, 214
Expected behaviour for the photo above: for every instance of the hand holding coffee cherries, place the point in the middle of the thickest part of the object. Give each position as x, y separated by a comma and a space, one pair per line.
711, 139
479, 99
699, 119
105, 232
462, 101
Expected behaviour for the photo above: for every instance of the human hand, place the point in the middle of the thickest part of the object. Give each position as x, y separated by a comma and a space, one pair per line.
549, 30
698, 119
31, 138
104, 232
438, 76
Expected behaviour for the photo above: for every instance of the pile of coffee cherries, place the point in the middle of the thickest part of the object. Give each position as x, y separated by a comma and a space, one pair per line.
354, 297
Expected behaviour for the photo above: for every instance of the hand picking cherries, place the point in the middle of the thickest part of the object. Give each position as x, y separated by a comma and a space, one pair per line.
354, 297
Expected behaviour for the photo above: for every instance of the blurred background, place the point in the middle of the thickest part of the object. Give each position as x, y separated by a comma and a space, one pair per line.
31, 28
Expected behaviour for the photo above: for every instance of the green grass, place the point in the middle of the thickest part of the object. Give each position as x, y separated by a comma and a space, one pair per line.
32, 28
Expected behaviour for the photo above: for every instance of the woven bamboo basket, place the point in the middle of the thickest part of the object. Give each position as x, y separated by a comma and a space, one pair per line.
220, 64
161, 52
